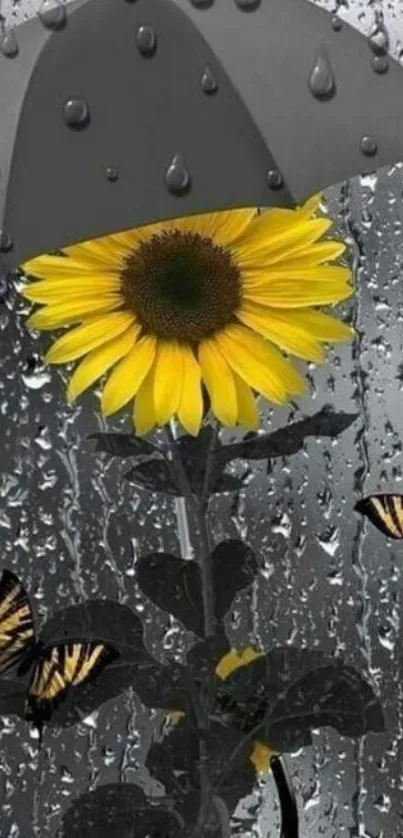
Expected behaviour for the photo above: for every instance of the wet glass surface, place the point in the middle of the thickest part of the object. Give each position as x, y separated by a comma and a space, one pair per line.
330, 581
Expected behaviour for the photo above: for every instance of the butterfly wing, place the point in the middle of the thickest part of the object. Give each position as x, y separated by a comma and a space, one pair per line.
62, 667
17, 633
385, 512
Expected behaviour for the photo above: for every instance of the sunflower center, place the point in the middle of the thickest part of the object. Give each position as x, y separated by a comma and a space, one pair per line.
182, 286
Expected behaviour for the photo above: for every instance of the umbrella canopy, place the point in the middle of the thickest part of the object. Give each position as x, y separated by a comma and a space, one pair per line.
137, 111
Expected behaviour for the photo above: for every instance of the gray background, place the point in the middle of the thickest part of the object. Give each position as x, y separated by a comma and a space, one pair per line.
71, 530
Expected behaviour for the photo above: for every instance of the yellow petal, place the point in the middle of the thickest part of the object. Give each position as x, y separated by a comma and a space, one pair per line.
297, 293
314, 255
224, 228
144, 416
279, 327
53, 291
248, 414
85, 338
125, 380
219, 382
105, 253
261, 757
311, 205
98, 362
168, 380
175, 716
266, 277
58, 267
259, 364
66, 313
260, 247
234, 660
322, 327
190, 409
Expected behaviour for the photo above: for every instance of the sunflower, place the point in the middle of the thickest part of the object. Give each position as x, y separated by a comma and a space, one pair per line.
261, 753
207, 302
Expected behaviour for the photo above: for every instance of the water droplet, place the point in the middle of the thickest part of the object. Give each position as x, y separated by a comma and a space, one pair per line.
146, 40
247, 5
76, 113
4, 286
380, 64
274, 179
6, 242
208, 81
112, 174
321, 80
378, 38
52, 14
8, 43
368, 145
177, 178
202, 4
337, 24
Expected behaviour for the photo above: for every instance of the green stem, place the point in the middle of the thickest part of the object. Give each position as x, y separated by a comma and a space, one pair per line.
200, 507
206, 570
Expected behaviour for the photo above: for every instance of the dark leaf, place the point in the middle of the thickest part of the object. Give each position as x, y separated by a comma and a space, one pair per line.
98, 619
175, 763
290, 691
289, 440
202, 660
288, 803
120, 810
204, 656
122, 445
13, 697
156, 476
227, 483
235, 567
336, 696
194, 452
175, 585
117, 626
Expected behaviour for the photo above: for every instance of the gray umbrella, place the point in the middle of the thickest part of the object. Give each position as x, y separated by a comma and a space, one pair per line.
145, 110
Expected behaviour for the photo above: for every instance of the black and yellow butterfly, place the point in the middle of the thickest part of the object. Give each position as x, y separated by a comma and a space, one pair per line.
55, 668
385, 511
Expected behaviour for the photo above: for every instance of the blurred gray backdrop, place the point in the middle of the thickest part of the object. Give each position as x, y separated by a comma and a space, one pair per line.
71, 529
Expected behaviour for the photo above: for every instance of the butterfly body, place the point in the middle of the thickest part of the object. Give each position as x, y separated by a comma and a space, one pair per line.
54, 669
385, 511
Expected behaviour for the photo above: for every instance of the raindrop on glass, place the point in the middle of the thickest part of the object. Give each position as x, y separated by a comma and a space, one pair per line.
3, 286
247, 5
112, 174
6, 242
76, 113
208, 81
177, 177
378, 38
52, 14
368, 145
146, 40
380, 64
202, 4
337, 24
321, 80
8, 43
274, 179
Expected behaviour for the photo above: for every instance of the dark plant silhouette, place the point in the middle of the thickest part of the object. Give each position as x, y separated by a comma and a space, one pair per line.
226, 713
